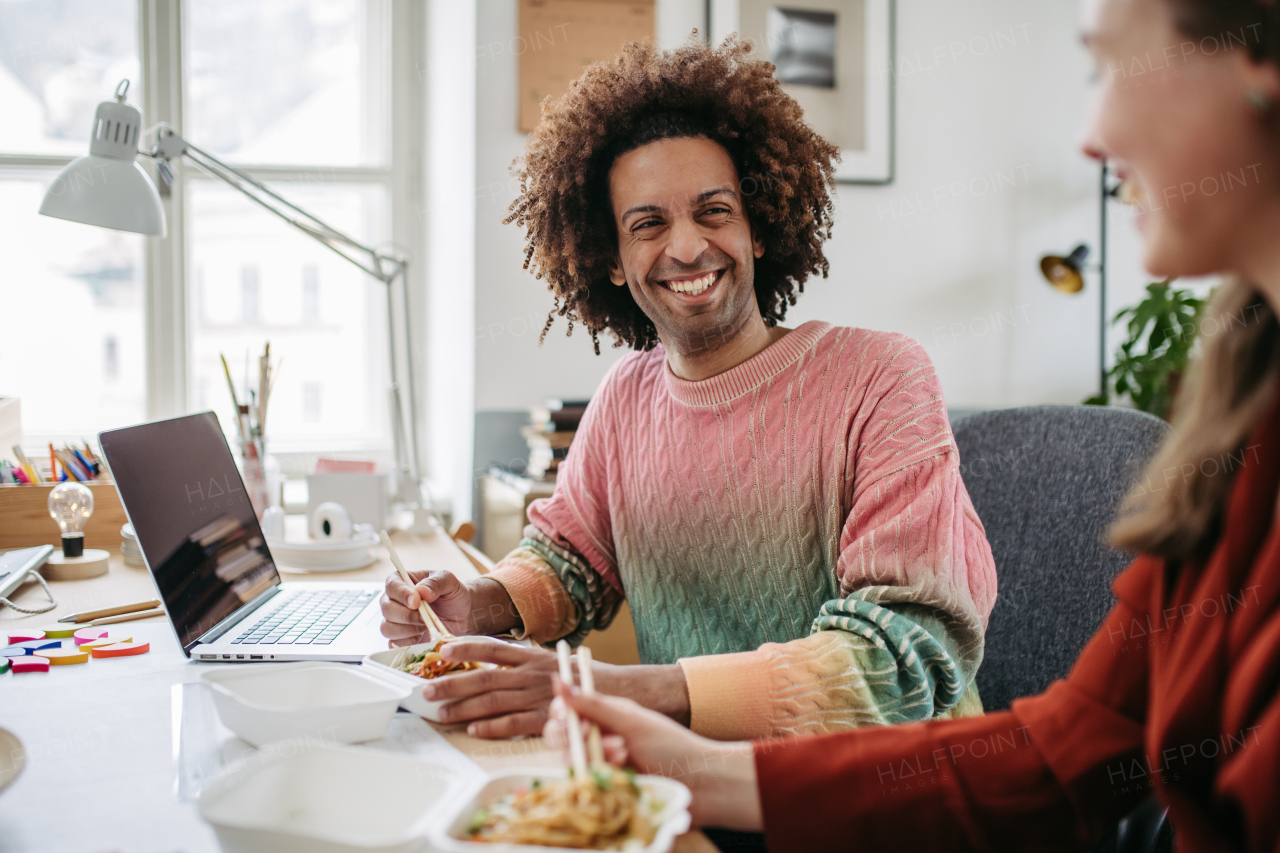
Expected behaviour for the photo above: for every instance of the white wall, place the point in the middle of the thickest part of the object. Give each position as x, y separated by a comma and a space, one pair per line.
449, 219
931, 254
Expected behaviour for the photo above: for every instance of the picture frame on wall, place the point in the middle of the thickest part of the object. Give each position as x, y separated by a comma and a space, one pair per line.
836, 58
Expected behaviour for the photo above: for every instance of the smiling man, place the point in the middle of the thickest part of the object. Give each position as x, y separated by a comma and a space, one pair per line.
781, 508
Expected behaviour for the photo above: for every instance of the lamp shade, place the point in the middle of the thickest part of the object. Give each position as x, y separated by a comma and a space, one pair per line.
108, 188
1065, 273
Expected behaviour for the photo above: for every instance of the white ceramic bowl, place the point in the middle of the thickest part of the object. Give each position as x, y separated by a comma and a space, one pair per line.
329, 702
329, 800
449, 831
380, 664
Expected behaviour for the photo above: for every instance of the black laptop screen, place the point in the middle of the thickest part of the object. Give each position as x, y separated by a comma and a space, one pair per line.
193, 519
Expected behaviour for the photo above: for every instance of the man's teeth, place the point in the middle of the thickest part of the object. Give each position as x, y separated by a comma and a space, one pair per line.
693, 286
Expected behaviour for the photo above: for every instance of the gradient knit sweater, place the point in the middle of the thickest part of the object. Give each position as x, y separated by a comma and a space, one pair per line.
794, 532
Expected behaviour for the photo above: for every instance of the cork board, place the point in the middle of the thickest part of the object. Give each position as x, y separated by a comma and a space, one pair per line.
558, 38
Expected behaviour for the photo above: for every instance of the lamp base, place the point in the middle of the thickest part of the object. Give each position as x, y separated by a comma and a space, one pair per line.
91, 564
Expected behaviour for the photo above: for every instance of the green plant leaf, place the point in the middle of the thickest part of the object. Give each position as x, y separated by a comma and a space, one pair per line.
1161, 332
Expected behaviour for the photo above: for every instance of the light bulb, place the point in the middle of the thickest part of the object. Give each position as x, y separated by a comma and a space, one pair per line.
71, 504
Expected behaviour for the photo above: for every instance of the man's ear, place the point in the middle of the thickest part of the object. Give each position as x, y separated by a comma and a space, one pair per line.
616, 274
757, 245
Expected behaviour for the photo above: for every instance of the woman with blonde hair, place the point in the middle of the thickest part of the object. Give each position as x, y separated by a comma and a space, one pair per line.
1179, 691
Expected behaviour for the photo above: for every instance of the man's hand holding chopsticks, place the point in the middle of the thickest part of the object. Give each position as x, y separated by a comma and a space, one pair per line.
479, 607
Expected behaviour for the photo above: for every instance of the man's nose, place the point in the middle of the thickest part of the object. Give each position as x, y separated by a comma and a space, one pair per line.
686, 242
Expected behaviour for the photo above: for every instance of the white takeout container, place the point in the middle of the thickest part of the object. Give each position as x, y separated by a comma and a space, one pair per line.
379, 663
329, 702
328, 800
448, 832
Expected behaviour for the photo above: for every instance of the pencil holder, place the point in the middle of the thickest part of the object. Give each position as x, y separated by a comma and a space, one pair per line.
253, 468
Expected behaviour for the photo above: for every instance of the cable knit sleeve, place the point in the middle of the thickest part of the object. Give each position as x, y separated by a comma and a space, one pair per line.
563, 577
917, 583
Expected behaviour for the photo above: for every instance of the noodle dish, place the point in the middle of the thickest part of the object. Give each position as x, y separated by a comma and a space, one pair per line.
607, 810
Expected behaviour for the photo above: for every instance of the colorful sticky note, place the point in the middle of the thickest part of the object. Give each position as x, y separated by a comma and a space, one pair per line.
24, 636
4, 665
104, 641
29, 663
85, 635
61, 657
14, 652
120, 650
59, 631
36, 645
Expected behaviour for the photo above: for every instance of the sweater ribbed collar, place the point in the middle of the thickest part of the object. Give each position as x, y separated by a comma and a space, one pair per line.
750, 374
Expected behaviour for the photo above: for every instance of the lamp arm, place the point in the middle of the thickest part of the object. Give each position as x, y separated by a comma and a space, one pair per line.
381, 265
384, 266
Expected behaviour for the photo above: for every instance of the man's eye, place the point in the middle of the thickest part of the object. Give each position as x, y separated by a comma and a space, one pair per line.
718, 211
646, 224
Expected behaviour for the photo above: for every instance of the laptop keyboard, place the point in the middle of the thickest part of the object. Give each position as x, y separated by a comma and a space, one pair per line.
308, 618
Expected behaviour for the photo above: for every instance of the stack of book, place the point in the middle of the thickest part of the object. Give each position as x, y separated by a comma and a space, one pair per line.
549, 434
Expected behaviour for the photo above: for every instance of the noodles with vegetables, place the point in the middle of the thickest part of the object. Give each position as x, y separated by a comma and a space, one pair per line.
605, 811
428, 663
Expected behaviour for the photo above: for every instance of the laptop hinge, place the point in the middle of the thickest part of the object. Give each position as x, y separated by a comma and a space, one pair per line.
234, 619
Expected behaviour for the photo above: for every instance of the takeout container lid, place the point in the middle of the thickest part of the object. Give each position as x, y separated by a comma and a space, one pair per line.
328, 800
448, 832
320, 702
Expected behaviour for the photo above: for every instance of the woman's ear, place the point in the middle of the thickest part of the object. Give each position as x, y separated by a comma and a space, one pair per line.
616, 274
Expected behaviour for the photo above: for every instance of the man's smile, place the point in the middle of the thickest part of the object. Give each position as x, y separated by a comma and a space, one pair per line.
693, 286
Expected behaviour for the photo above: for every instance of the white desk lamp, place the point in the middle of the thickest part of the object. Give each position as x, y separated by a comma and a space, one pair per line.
109, 189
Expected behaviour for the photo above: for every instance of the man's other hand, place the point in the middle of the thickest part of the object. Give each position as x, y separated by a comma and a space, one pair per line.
501, 703
498, 703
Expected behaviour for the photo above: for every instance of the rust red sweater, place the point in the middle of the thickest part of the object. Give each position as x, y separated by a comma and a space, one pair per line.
1176, 694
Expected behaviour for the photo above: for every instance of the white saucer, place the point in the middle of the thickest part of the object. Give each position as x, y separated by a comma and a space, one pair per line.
327, 555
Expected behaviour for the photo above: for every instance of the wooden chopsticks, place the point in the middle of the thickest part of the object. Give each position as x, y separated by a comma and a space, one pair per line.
592, 748
435, 628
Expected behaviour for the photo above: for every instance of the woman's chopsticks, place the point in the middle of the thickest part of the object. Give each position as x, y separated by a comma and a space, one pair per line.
578, 751
595, 751
577, 754
435, 628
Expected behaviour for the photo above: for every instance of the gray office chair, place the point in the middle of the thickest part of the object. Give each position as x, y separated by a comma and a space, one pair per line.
1046, 481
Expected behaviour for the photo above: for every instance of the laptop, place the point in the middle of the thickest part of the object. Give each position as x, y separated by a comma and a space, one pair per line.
210, 562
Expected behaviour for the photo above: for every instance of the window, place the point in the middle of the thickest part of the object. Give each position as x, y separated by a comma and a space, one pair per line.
58, 59
251, 262
311, 401
310, 293
71, 294
111, 359
249, 295
295, 93
294, 82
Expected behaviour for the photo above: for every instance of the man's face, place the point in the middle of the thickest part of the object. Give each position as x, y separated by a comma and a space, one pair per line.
685, 248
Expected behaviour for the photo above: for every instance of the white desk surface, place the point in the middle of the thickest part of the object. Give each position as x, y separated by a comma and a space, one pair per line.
101, 762
98, 738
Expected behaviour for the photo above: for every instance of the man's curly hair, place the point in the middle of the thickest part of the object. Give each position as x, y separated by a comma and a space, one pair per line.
785, 171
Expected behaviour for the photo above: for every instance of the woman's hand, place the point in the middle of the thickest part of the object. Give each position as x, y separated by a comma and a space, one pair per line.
722, 776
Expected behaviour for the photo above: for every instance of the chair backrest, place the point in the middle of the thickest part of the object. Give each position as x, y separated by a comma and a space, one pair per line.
1046, 481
